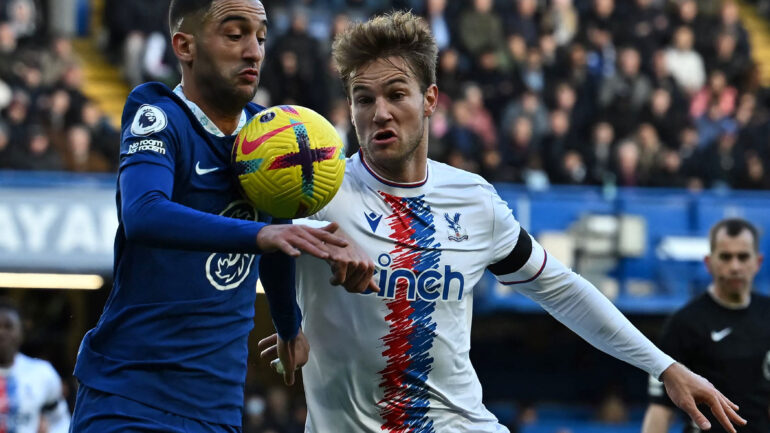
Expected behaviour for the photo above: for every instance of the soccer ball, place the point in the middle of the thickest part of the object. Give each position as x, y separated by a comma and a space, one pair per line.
289, 161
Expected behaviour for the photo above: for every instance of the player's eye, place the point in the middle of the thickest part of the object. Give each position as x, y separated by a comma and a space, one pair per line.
743, 257
234, 36
397, 95
362, 100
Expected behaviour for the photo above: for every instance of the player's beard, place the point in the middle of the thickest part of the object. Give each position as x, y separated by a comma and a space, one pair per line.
406, 152
221, 88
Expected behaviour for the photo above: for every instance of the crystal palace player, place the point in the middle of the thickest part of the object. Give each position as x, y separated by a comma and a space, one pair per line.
169, 352
31, 399
723, 334
397, 360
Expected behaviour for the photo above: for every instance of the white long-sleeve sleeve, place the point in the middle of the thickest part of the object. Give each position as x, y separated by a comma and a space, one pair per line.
579, 305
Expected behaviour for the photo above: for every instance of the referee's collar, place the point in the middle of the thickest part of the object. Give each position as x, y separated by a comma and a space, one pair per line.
711, 291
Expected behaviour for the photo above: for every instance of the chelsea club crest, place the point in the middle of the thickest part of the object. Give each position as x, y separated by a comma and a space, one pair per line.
227, 271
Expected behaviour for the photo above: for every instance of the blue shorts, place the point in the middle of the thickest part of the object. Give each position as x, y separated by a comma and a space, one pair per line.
100, 412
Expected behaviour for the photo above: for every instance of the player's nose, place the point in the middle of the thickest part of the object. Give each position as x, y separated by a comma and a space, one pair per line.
253, 51
381, 111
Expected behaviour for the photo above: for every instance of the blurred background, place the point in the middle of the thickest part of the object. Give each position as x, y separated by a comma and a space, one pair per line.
618, 132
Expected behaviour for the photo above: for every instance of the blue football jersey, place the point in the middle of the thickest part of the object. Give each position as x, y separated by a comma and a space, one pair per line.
173, 333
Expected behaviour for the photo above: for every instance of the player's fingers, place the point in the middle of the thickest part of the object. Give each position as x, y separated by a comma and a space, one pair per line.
697, 417
373, 286
287, 248
359, 277
269, 353
731, 411
288, 376
331, 228
717, 409
330, 238
267, 342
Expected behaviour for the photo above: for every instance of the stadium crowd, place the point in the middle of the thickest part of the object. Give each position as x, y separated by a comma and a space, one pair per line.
581, 92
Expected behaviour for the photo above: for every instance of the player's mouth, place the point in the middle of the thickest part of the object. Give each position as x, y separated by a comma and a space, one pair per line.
384, 137
249, 74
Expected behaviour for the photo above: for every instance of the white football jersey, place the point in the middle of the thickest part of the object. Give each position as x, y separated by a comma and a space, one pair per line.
398, 360
29, 389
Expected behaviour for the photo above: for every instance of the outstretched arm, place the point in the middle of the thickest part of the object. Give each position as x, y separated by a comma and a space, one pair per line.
580, 306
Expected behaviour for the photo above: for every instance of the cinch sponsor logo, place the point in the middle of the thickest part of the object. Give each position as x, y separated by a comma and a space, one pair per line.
428, 285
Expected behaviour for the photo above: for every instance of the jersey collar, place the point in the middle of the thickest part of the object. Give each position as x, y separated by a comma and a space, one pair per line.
388, 182
380, 183
204, 120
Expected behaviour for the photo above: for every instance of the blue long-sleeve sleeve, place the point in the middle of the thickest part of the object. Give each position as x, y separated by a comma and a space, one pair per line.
276, 271
151, 218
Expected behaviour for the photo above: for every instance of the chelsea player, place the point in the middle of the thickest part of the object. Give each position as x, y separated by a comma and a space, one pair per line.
169, 351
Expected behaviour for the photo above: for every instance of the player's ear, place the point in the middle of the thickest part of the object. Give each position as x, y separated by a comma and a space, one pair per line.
430, 100
707, 262
350, 110
184, 46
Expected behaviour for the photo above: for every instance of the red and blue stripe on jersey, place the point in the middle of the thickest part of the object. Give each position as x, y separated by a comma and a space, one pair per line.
405, 404
8, 404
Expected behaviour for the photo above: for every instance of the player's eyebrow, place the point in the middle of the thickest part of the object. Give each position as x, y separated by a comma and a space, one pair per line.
229, 18
361, 87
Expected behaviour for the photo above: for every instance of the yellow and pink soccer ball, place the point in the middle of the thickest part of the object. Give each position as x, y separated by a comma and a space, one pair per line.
290, 161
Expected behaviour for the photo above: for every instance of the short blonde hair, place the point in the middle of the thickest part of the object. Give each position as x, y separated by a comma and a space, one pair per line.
400, 34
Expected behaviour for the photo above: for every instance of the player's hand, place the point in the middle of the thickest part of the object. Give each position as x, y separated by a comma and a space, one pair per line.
297, 239
687, 389
352, 267
287, 356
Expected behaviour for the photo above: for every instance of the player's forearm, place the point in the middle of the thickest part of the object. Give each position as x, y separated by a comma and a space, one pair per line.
151, 218
657, 419
579, 305
276, 272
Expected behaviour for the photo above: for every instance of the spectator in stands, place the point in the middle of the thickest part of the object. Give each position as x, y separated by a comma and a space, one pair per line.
684, 63
530, 105
754, 176
56, 60
563, 21
717, 90
480, 27
722, 334
623, 96
722, 161
80, 157
8, 45
436, 16
523, 20
726, 59
555, 146
664, 116
647, 28
713, 124
627, 164
687, 13
598, 154
729, 22
449, 72
36, 152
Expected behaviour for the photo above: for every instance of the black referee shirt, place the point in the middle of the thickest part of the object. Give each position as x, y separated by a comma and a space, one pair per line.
730, 348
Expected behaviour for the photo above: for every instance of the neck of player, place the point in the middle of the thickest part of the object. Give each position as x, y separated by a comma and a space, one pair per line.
225, 118
730, 299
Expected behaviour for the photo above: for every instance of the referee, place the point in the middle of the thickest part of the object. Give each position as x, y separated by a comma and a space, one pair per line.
723, 334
